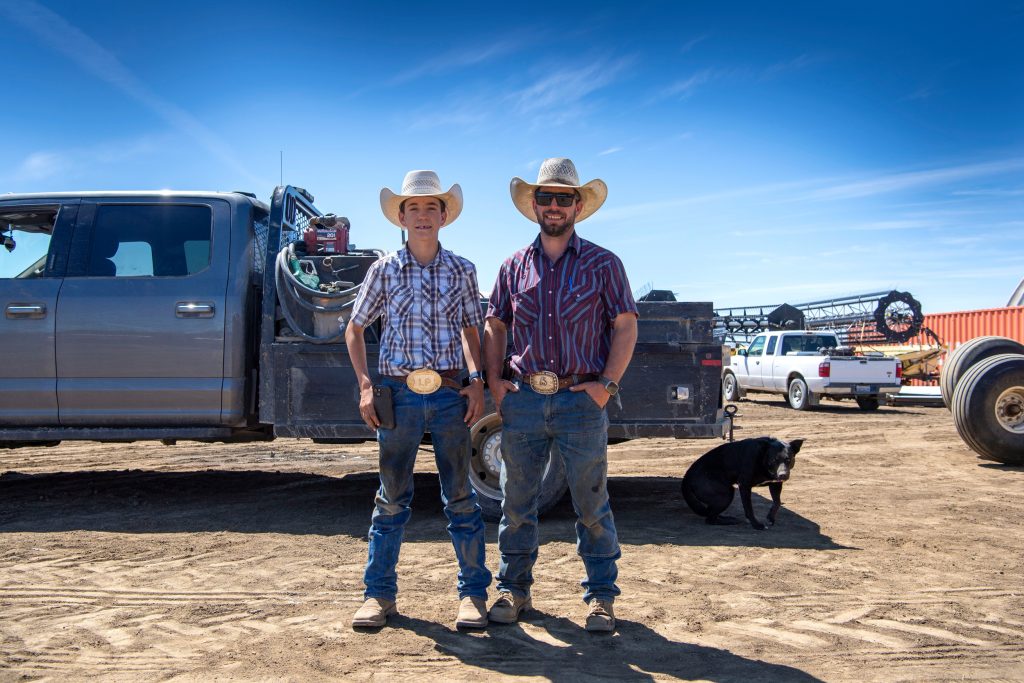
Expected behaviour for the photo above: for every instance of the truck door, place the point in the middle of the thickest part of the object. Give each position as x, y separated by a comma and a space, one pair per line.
140, 317
35, 238
768, 363
754, 358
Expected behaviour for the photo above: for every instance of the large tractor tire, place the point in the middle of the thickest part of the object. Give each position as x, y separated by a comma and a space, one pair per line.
988, 408
485, 470
966, 355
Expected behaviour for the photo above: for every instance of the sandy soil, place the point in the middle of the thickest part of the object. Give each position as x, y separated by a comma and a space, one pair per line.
897, 556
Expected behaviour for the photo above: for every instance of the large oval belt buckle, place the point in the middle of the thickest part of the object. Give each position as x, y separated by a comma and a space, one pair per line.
544, 382
423, 381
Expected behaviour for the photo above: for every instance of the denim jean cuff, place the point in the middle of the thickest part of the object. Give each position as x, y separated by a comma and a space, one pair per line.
380, 596
602, 556
609, 599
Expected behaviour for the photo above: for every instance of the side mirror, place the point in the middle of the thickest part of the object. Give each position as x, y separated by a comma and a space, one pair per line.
741, 352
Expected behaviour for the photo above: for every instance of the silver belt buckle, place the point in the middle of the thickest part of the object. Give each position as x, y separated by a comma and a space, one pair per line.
544, 382
423, 381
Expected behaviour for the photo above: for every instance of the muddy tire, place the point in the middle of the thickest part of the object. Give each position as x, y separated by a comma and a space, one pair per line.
485, 470
988, 408
730, 387
966, 355
797, 394
867, 402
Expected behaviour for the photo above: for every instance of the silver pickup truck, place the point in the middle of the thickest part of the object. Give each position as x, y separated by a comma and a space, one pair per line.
174, 316
805, 366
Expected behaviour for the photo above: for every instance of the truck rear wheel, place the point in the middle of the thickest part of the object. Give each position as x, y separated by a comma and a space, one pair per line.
966, 355
798, 395
730, 387
485, 470
988, 408
867, 402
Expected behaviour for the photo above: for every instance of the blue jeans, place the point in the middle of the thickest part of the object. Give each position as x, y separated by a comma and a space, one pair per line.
572, 422
441, 413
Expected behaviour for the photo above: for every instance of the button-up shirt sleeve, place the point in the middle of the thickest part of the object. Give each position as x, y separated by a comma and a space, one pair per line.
471, 314
369, 302
500, 304
616, 294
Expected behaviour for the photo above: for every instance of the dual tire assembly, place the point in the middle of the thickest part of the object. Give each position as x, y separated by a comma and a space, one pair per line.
982, 384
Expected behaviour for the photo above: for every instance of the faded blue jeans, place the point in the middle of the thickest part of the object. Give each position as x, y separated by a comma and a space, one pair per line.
531, 423
441, 414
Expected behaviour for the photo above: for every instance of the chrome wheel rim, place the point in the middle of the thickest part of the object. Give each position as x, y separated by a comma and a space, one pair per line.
1010, 410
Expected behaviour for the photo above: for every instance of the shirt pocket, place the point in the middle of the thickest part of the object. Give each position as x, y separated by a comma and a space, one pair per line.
581, 300
400, 301
449, 300
526, 307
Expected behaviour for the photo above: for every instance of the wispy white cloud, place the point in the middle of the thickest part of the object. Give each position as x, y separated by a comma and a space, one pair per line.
40, 166
796, 64
458, 59
692, 43
567, 86
610, 150
559, 96
993, 192
59, 35
894, 182
685, 87
71, 162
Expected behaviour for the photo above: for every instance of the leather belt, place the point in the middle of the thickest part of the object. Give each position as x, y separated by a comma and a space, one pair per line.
550, 383
447, 379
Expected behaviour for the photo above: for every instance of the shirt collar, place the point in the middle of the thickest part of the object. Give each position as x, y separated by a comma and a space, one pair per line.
442, 258
575, 243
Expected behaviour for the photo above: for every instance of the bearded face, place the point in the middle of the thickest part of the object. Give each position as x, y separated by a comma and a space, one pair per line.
555, 220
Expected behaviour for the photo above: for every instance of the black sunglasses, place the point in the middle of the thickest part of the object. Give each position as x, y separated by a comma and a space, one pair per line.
564, 199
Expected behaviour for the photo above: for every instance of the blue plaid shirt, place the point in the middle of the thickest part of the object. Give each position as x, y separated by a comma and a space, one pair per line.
425, 309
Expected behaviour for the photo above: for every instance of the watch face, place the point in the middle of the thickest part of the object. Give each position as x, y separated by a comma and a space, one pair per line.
612, 388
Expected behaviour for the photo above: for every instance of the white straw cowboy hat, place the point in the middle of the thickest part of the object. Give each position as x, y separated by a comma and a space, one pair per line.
558, 172
421, 184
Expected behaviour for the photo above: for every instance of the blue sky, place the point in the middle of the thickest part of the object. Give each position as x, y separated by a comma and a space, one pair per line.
756, 153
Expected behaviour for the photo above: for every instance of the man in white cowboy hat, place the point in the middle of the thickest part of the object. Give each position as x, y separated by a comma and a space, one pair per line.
430, 304
574, 326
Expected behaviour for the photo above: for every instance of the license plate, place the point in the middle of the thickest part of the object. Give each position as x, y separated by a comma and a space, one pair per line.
862, 389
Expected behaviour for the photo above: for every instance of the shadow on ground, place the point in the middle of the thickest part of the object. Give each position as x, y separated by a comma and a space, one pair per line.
566, 653
647, 509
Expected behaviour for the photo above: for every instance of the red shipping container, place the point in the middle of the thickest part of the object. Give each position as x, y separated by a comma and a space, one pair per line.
953, 329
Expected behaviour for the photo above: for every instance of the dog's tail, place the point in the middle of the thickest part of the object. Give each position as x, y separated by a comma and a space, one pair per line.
695, 503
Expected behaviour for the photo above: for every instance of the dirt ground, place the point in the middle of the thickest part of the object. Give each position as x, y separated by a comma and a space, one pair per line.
897, 556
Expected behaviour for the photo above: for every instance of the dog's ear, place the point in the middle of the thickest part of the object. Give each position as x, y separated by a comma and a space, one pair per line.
795, 445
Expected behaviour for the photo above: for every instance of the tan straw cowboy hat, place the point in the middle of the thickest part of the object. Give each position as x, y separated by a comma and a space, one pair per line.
558, 172
421, 184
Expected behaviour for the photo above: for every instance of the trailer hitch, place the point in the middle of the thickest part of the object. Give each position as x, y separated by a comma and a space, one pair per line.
730, 415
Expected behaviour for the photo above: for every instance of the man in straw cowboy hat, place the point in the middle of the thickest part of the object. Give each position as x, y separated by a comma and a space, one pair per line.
430, 304
574, 326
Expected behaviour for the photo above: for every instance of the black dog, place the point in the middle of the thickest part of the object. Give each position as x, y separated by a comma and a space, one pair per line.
708, 484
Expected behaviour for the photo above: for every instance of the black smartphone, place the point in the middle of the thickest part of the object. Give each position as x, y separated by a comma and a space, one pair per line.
384, 406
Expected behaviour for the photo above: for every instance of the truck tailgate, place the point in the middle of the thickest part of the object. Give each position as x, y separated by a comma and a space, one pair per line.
861, 370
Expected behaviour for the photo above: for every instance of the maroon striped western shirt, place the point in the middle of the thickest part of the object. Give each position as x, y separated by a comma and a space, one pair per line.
560, 313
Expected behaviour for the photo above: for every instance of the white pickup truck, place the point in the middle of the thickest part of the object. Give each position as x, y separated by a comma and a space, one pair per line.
807, 365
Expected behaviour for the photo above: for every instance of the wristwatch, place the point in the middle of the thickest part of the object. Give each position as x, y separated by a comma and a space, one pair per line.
610, 385
474, 377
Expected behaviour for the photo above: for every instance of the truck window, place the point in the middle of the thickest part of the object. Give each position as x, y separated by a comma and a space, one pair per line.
756, 347
771, 346
169, 240
25, 236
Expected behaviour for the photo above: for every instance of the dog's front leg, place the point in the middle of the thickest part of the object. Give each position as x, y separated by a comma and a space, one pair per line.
776, 490
748, 508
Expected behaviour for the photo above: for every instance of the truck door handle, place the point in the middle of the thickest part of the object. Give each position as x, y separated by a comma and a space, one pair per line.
32, 311
193, 309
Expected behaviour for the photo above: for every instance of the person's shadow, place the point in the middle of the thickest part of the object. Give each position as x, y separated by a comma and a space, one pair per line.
564, 651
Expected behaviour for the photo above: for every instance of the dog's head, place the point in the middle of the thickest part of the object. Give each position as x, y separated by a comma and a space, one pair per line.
779, 457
